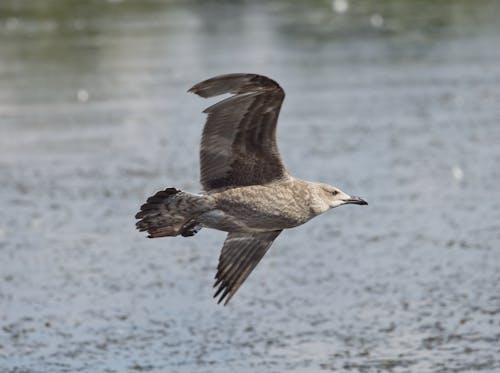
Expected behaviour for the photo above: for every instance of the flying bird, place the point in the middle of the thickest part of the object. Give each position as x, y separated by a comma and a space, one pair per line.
247, 190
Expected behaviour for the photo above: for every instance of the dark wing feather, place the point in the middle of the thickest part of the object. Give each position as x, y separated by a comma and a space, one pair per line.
238, 146
239, 256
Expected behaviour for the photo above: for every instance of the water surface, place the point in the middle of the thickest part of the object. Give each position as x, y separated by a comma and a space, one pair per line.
395, 101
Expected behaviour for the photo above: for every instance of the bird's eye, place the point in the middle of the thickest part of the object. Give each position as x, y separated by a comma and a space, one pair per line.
334, 193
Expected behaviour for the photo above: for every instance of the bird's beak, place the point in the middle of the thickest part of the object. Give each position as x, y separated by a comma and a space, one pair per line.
355, 201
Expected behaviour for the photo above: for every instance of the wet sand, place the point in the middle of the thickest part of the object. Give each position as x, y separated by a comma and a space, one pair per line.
397, 103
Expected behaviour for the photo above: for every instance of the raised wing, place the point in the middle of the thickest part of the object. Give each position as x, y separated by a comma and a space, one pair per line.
239, 256
238, 145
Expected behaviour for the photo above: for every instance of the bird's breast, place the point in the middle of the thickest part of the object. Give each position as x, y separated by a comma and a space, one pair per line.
264, 207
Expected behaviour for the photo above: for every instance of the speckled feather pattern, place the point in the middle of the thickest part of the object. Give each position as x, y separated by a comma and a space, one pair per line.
248, 191
273, 206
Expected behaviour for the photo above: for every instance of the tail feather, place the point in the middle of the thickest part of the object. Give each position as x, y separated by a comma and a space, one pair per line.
170, 212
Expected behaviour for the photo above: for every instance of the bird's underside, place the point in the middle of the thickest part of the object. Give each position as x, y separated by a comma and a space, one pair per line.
247, 190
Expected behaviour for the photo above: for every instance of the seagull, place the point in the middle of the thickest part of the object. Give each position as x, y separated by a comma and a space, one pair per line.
247, 191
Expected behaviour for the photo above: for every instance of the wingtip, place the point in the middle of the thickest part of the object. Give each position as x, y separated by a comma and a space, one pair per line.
192, 90
234, 83
218, 300
225, 292
228, 299
198, 90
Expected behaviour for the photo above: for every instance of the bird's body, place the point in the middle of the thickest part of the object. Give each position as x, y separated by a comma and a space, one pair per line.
262, 208
247, 190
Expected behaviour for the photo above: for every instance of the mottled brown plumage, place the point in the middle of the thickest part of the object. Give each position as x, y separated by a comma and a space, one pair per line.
238, 144
247, 190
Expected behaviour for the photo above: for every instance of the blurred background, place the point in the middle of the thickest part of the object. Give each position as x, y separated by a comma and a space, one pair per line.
395, 101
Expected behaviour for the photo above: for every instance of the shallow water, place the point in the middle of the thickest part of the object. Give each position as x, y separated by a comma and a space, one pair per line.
395, 101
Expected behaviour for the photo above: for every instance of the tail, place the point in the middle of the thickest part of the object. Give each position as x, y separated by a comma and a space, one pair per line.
171, 212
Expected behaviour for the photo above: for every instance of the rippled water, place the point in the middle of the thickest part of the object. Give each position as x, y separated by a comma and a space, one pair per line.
395, 101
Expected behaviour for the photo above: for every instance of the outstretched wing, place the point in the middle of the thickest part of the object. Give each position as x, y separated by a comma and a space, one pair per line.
238, 145
239, 256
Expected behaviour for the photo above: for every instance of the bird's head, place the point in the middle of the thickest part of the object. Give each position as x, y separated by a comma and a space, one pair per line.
334, 197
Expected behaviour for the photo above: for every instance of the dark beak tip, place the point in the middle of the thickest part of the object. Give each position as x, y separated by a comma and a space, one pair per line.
358, 201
